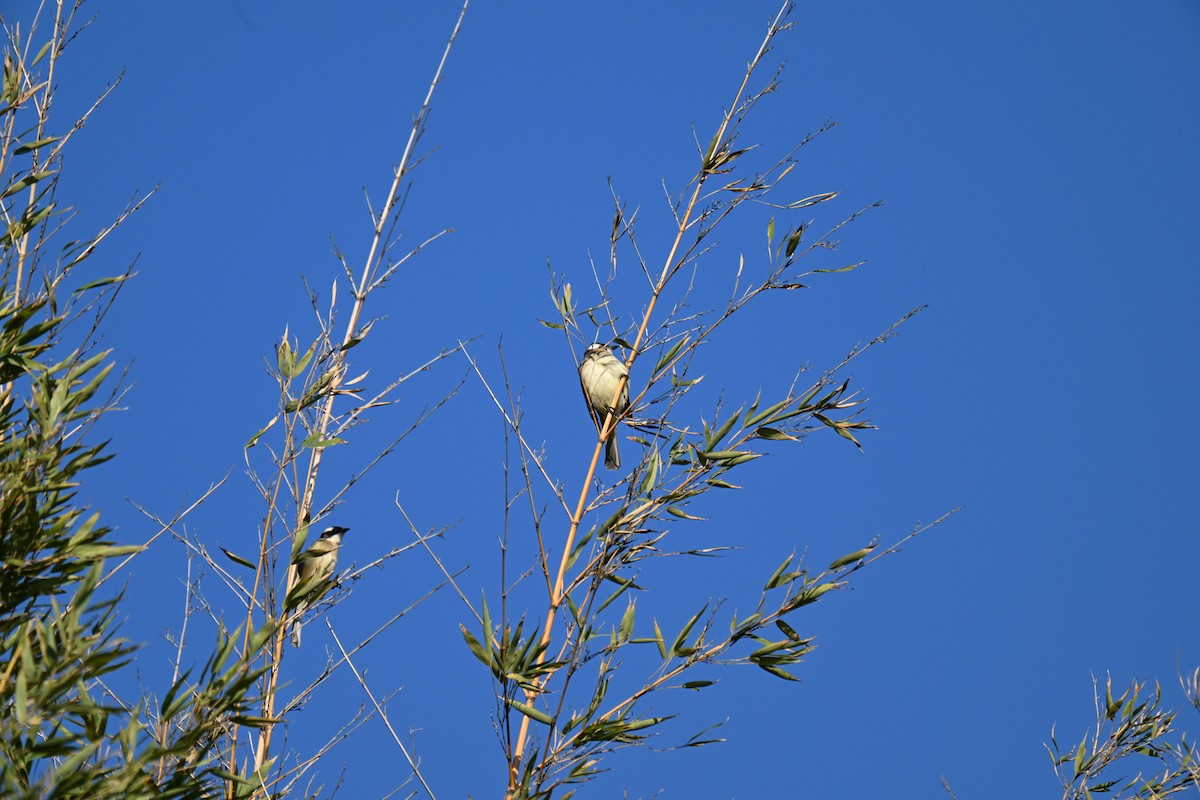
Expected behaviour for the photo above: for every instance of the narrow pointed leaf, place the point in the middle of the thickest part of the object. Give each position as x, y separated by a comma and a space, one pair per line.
237, 559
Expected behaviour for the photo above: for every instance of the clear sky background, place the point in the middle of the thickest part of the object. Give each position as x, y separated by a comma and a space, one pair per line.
1040, 165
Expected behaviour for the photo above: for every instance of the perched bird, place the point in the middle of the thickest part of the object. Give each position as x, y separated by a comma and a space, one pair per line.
599, 373
314, 567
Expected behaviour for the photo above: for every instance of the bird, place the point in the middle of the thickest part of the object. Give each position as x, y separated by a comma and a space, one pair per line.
314, 567
599, 373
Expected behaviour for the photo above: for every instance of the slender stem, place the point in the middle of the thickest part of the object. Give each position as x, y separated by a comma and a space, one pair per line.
382, 715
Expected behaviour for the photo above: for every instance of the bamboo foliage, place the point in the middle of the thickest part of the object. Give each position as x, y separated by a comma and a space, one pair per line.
1132, 752
62, 732
322, 399
566, 696
583, 675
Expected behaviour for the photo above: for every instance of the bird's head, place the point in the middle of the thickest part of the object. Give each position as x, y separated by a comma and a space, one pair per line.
334, 532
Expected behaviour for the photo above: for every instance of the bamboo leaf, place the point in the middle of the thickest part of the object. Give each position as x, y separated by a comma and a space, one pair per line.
41, 53
720, 433
96, 284
811, 595
793, 241
779, 672
731, 458
473, 644
26, 182
677, 645
315, 441
857, 555
789, 631
529, 711
720, 484
34, 145
253, 440
812, 201
626, 629
774, 581
237, 559
766, 413
669, 356
842, 269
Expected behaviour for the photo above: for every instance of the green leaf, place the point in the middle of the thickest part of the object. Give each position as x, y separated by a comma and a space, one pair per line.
793, 241
839, 427
253, 440
740, 629
720, 433
237, 559
774, 581
706, 160
299, 542
626, 629
697, 684
315, 441
842, 269
41, 53
669, 356
552, 325
26, 182
31, 146
302, 363
773, 647
677, 646
357, 336
254, 721
774, 434
779, 672
96, 284
731, 458
658, 638
642, 724
857, 555
529, 711
681, 514
788, 631
26, 223
484, 656
811, 595
611, 522
654, 461
771, 231
720, 484
285, 359
754, 419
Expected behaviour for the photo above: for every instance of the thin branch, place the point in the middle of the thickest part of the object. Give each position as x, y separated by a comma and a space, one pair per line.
382, 714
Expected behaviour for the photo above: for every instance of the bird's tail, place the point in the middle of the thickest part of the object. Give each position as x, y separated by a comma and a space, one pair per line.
295, 631
612, 457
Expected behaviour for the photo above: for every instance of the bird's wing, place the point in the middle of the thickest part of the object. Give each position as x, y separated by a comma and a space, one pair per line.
587, 398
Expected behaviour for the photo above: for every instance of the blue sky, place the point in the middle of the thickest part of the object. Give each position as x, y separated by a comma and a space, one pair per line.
1039, 166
